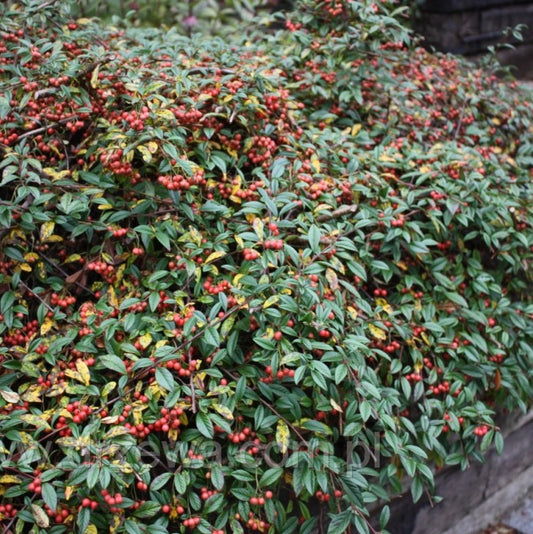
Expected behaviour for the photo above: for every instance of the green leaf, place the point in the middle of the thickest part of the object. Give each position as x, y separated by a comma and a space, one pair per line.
456, 298
93, 475
366, 410
243, 494
340, 522
83, 518
163, 238
211, 337
384, 517
242, 475
49, 496
147, 509
215, 503
204, 425
153, 300
417, 489
180, 482
164, 378
270, 477
217, 477
113, 362
313, 237
160, 481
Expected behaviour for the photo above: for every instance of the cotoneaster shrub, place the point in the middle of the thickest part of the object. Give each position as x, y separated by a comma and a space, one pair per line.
256, 286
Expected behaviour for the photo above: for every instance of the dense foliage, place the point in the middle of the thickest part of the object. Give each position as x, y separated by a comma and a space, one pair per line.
247, 288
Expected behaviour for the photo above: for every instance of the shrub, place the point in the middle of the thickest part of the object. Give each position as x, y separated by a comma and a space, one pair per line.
247, 288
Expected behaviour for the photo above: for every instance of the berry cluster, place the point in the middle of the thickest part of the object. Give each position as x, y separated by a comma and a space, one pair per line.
481, 430
104, 269
273, 244
64, 302
261, 151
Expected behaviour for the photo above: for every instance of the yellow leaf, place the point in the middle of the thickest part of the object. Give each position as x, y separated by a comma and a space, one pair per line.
335, 405
315, 163
270, 301
35, 420
115, 524
224, 411
116, 431
352, 311
195, 236
26, 439
332, 279
282, 436
105, 207
214, 256
336, 264
112, 297
356, 128
152, 146
56, 175
26, 267
385, 305
40, 516
110, 420
10, 479
41, 269
94, 77
11, 397
31, 256
145, 153
402, 265
69, 490
33, 393
124, 467
424, 336
70, 442
75, 375
73, 258
252, 99
145, 340
137, 413
47, 229
237, 279
56, 389
173, 434
377, 332
83, 369
496, 121
258, 227
120, 273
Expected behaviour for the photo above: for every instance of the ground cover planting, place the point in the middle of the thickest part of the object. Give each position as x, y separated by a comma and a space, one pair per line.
253, 286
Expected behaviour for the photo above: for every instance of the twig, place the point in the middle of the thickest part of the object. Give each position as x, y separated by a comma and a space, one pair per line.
44, 92
43, 129
339, 212
191, 384
57, 267
274, 411
27, 288
461, 116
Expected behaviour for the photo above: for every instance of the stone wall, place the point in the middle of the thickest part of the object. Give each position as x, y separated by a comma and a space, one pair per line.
468, 27
465, 491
